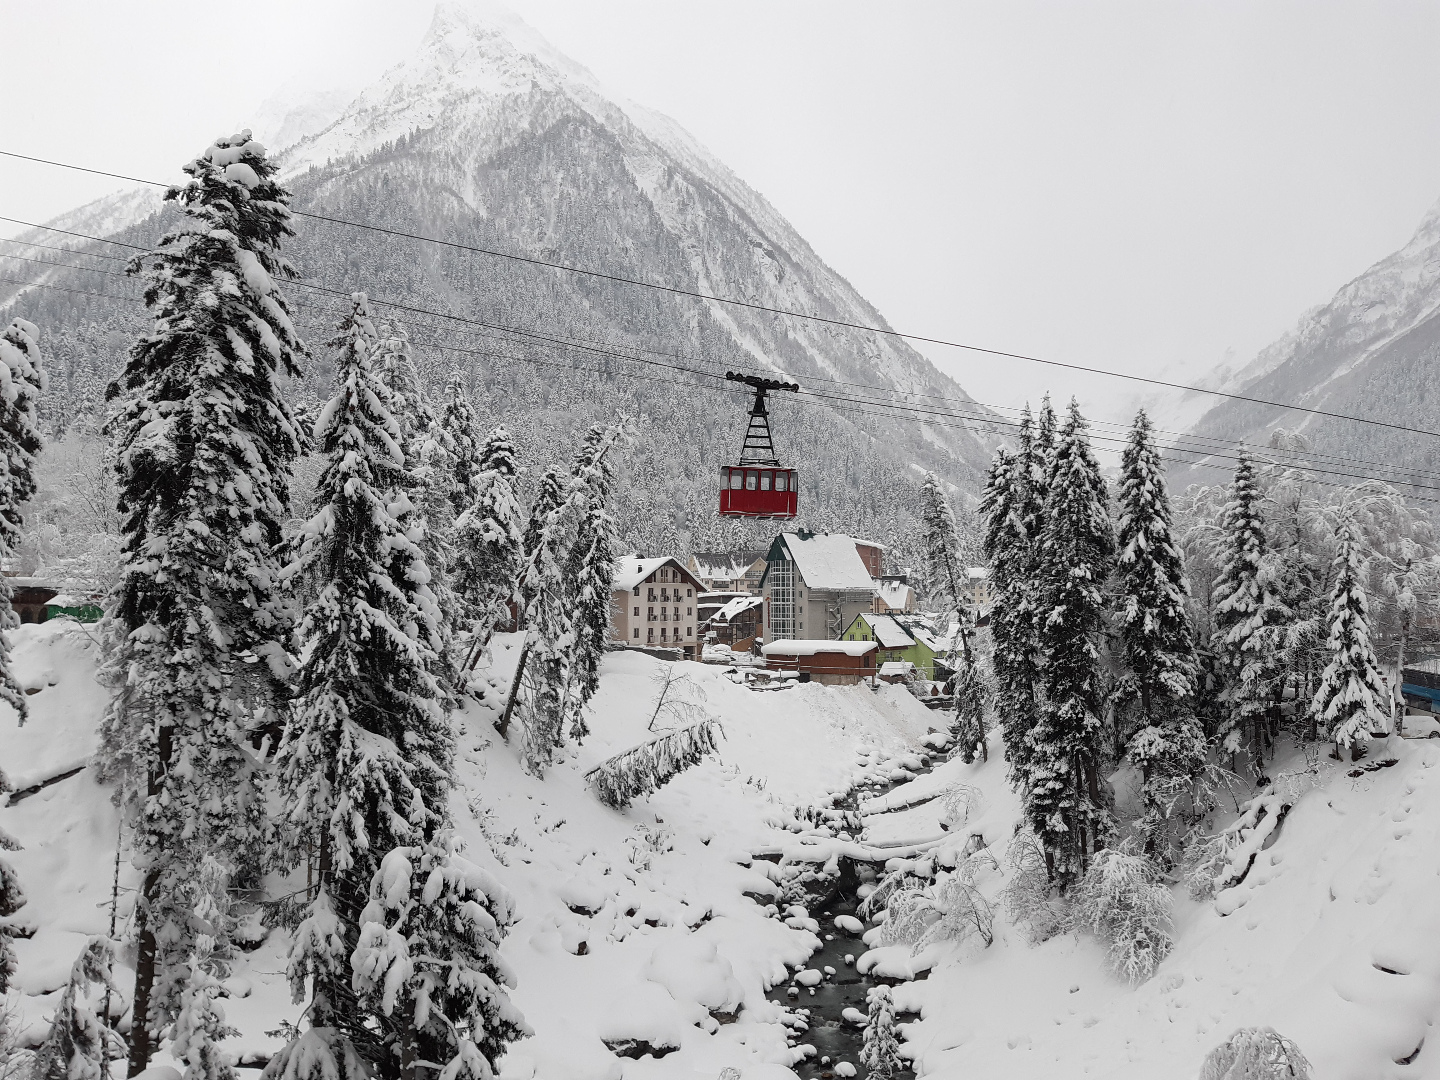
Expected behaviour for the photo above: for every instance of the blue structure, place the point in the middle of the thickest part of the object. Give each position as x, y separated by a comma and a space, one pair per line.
1420, 684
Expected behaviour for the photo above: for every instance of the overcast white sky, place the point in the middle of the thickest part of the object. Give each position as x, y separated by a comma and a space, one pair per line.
1143, 186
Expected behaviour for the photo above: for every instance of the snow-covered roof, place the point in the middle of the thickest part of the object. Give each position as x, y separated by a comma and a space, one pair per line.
632, 570
977, 573
896, 594
829, 561
738, 605
926, 638
897, 667
889, 633
724, 564
814, 646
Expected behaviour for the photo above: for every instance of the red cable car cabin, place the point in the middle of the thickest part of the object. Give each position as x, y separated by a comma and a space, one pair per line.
747, 491
759, 487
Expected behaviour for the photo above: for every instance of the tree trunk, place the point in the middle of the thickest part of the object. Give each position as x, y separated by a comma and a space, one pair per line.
141, 1043
503, 727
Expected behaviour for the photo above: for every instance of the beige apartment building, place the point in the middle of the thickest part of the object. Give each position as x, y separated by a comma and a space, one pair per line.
653, 605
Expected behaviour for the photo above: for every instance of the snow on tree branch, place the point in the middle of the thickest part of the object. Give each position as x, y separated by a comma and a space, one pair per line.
635, 773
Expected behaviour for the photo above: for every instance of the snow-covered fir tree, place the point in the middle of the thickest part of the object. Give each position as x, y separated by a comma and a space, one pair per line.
547, 619
1165, 742
200, 1021
78, 1044
22, 378
948, 576
12, 899
204, 443
429, 478
428, 963
1249, 618
590, 569
1064, 805
364, 762
489, 541
1351, 701
880, 1052
1008, 513
462, 440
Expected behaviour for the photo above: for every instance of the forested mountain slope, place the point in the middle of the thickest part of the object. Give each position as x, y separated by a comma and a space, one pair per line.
1372, 351
488, 138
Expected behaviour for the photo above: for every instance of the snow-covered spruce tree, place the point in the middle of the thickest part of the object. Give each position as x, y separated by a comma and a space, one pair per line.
1008, 544
204, 443
590, 569
1076, 552
489, 541
1249, 620
948, 577
880, 1053
462, 440
1351, 702
22, 378
1257, 1053
428, 963
1123, 901
12, 899
200, 1021
1164, 740
429, 477
547, 619
78, 1043
364, 762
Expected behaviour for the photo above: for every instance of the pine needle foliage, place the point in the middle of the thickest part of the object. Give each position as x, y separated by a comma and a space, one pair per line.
489, 542
635, 773
12, 899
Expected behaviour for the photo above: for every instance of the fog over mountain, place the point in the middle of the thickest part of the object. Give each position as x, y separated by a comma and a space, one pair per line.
488, 137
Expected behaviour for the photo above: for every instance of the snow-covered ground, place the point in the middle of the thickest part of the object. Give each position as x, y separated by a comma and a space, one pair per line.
635, 926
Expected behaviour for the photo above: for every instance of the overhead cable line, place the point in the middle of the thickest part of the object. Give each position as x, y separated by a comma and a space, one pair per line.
753, 306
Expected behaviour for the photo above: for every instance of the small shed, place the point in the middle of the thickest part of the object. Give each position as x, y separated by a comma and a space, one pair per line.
836, 663
893, 671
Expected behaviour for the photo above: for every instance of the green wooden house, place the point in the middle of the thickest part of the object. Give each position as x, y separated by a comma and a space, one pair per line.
896, 641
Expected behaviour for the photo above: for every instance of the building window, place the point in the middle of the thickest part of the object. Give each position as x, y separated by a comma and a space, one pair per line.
688, 592
637, 590
662, 632
650, 614
637, 631
689, 611
637, 615
689, 631
650, 636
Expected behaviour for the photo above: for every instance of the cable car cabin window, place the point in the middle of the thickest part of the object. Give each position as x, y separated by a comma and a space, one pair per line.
780, 479
765, 480
752, 477
737, 479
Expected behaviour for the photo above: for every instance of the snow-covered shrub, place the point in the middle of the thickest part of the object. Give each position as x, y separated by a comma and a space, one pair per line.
15, 1060
77, 1045
1122, 900
959, 804
427, 966
951, 909
1028, 897
881, 1052
895, 881
636, 772
1258, 1053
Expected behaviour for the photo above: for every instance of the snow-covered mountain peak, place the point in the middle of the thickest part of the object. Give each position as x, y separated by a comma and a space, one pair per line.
474, 54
